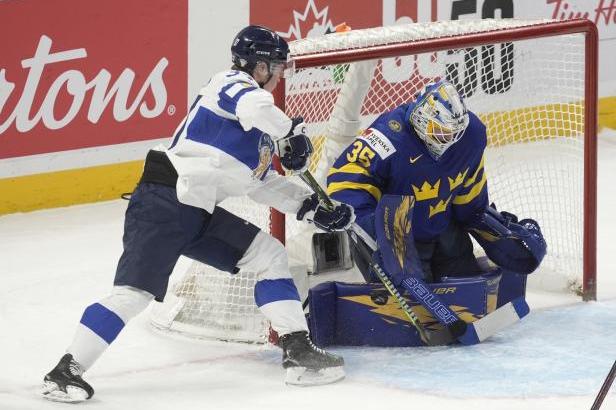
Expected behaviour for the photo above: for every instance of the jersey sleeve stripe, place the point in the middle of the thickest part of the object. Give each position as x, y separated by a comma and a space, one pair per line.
102, 321
472, 179
350, 168
472, 194
230, 94
358, 178
340, 186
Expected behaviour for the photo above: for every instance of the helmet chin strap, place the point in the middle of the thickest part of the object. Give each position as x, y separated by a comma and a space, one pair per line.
250, 70
262, 83
269, 76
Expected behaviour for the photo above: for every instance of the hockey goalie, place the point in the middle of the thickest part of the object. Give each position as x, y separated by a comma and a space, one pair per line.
416, 180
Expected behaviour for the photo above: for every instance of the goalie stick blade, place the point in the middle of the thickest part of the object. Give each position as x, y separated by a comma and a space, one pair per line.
494, 322
301, 376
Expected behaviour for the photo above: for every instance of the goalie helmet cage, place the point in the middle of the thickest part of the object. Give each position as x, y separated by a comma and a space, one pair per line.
533, 83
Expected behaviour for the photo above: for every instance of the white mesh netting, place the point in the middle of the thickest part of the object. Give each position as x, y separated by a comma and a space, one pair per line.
530, 95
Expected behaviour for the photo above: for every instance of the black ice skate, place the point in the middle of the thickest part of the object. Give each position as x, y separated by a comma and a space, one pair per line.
306, 364
64, 382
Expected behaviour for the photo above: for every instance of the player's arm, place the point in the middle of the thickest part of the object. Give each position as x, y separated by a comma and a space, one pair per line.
512, 245
288, 197
357, 179
256, 109
472, 200
280, 193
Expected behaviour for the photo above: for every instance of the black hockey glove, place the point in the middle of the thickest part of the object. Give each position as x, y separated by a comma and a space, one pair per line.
294, 150
313, 210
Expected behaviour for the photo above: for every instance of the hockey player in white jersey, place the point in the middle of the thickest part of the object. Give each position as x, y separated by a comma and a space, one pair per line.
223, 148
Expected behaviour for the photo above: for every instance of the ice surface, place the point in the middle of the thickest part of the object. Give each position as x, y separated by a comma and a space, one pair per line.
54, 263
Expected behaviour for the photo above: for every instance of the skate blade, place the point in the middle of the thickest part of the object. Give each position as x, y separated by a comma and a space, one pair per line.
300, 376
73, 394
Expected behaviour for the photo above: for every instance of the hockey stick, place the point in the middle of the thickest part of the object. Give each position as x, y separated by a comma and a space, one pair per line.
604, 388
466, 333
430, 338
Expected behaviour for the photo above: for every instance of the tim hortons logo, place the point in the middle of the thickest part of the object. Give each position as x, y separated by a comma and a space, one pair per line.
73, 82
604, 11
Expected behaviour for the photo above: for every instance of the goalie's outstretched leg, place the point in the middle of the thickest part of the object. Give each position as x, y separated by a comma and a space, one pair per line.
306, 364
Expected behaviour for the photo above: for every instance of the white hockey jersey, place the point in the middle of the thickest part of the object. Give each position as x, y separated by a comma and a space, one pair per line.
224, 147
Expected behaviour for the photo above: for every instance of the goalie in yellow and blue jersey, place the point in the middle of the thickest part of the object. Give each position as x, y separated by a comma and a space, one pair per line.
433, 149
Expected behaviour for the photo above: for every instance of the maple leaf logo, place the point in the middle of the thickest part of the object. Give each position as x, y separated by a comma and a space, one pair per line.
312, 22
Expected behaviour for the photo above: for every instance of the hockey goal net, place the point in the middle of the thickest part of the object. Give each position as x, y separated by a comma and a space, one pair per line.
533, 84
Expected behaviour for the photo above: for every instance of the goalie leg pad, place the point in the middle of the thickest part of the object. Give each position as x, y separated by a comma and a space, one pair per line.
501, 318
347, 314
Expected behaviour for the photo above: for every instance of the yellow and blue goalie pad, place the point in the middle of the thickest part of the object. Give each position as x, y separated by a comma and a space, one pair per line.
394, 234
351, 314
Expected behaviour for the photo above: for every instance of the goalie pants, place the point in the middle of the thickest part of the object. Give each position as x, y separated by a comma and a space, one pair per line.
157, 230
451, 254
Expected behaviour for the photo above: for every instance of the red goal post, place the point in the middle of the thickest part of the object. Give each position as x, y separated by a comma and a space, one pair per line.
339, 51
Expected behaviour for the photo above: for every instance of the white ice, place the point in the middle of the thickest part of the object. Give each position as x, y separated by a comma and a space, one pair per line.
54, 263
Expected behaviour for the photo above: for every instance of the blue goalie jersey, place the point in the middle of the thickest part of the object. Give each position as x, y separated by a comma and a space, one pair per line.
390, 158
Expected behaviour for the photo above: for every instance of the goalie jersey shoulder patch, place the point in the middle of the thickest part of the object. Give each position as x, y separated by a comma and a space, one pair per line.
378, 142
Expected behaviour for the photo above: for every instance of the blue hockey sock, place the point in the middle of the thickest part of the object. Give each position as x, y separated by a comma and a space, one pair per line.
102, 321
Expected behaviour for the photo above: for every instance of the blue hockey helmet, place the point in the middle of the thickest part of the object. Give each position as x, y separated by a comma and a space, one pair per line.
257, 43
439, 116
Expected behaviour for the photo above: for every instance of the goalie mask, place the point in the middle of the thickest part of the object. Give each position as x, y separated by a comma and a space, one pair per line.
439, 117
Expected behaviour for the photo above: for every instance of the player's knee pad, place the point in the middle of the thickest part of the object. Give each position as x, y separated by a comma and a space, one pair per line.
267, 257
127, 302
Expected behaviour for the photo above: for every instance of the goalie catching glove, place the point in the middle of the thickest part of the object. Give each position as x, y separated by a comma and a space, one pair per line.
295, 148
517, 246
337, 219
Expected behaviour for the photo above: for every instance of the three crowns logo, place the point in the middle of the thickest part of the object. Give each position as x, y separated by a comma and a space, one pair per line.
439, 207
454, 183
426, 191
